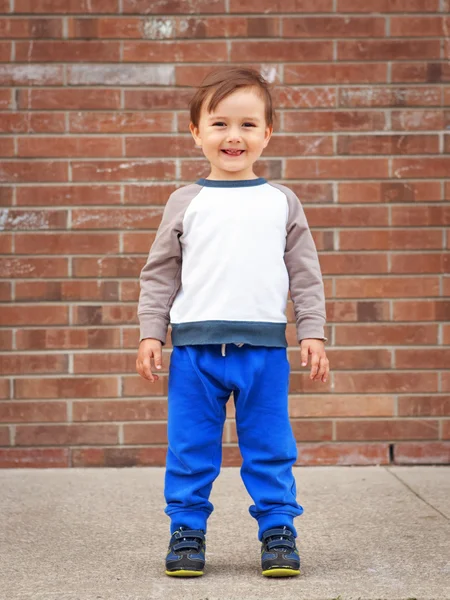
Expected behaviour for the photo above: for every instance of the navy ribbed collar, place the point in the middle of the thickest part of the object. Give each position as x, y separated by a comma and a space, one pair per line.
231, 183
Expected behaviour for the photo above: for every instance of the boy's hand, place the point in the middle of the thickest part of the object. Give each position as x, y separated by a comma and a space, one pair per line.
320, 366
149, 348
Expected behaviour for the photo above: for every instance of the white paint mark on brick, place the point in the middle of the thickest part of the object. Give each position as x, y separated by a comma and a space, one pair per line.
159, 29
28, 74
122, 74
269, 72
26, 220
3, 218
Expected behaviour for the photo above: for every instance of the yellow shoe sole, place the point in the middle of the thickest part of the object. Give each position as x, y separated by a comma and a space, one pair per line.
280, 572
184, 573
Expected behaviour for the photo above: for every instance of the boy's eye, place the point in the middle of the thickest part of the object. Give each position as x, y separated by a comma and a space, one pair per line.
220, 123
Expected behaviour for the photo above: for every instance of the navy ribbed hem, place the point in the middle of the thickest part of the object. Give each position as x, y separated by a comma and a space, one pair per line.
255, 333
230, 182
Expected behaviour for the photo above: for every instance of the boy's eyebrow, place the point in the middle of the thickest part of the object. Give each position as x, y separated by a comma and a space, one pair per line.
246, 118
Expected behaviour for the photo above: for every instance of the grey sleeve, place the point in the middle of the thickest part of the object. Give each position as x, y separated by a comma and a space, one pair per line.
160, 278
305, 277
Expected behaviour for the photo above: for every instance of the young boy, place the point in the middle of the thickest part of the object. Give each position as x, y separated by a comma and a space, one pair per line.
229, 248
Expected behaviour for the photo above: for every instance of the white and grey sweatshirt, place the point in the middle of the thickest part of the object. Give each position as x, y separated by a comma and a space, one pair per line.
224, 258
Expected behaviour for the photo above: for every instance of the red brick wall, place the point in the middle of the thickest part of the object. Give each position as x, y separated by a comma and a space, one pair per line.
94, 138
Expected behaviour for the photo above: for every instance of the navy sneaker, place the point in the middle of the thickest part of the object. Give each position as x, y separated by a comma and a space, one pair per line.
186, 555
279, 554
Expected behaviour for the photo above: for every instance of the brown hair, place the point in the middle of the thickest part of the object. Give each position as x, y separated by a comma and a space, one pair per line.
224, 81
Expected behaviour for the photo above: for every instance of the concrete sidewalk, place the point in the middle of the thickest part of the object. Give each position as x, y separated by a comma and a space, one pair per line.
101, 534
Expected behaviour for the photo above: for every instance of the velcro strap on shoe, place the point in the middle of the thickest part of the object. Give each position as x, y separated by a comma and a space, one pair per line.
280, 544
185, 545
197, 533
277, 531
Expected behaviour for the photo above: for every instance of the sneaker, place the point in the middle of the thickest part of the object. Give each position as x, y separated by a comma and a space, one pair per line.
186, 555
279, 554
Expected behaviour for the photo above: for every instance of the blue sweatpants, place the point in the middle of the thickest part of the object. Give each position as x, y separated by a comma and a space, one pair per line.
201, 380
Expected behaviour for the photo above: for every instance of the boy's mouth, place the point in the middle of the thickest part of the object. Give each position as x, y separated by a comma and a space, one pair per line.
233, 152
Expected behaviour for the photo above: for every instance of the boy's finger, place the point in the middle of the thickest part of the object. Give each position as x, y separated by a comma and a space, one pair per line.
157, 358
147, 370
304, 356
314, 364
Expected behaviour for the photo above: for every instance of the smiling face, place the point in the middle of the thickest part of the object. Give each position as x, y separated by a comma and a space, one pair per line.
238, 122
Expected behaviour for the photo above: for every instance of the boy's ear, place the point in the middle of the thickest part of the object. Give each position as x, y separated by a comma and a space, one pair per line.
268, 134
194, 130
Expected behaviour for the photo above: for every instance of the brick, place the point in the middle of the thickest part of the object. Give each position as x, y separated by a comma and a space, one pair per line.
334, 121
381, 334
105, 363
422, 453
32, 123
67, 290
122, 122
119, 410
137, 242
34, 458
387, 6
4, 389
334, 405
78, 147
387, 144
68, 51
67, 243
70, 99
29, 412
136, 386
5, 99
424, 406
68, 195
417, 120
336, 168
349, 359
389, 191
33, 219
421, 216
386, 429
66, 387
148, 433
5, 51
118, 457
31, 75
34, 315
335, 73
143, 169
156, 99
424, 263
286, 50
30, 28
184, 51
120, 266
421, 167
65, 338
422, 26
353, 263
436, 358
342, 454
120, 74
183, 6
25, 268
391, 239
303, 97
335, 26
282, 145
420, 72
21, 364
379, 287
29, 171
159, 146
143, 193
6, 242
388, 49
105, 315
119, 218
70, 435
421, 310
189, 75
268, 6
6, 341
389, 96
385, 382
66, 6
5, 291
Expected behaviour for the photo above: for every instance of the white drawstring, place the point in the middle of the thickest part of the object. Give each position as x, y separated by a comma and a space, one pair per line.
224, 347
